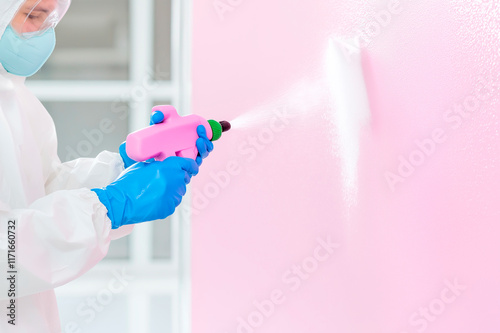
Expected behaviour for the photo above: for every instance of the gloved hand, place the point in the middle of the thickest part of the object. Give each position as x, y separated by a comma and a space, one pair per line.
147, 191
203, 144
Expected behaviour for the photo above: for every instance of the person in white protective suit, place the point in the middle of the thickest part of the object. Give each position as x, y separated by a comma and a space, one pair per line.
58, 219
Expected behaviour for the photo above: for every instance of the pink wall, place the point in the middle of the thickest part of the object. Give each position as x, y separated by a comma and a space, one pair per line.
286, 181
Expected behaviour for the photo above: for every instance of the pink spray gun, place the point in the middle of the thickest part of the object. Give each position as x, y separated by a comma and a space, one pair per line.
175, 136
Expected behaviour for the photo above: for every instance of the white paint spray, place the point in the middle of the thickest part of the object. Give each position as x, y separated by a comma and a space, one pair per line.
350, 112
299, 100
342, 84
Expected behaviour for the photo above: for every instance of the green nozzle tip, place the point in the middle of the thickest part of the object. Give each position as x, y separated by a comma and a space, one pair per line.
216, 130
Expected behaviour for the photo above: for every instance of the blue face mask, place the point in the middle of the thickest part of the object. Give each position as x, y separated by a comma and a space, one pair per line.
24, 57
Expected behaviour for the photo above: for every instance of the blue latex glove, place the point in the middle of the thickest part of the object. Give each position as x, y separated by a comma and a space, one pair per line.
147, 191
203, 144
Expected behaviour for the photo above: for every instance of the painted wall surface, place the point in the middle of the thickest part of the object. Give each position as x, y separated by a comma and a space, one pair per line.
321, 212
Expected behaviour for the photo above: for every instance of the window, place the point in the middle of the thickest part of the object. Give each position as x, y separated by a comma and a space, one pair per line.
116, 59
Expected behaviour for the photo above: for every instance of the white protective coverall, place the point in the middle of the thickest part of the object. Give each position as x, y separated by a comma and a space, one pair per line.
61, 228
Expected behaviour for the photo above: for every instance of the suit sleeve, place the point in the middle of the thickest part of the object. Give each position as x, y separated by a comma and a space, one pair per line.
55, 240
88, 173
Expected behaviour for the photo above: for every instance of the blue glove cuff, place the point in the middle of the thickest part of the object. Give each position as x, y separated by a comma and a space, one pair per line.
103, 198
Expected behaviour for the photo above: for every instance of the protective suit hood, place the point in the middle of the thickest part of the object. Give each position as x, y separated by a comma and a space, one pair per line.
8, 9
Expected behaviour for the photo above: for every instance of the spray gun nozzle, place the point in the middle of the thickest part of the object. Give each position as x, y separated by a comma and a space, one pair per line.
226, 126
218, 127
